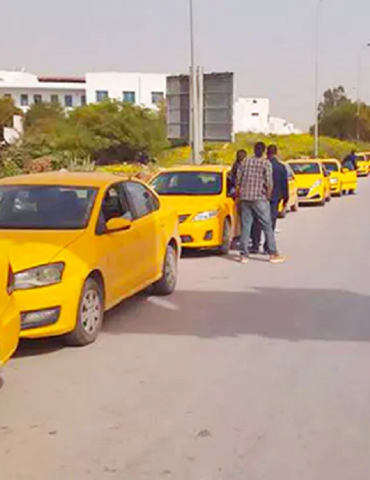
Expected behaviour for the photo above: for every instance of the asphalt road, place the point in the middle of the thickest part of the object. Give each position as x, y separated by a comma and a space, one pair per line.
247, 372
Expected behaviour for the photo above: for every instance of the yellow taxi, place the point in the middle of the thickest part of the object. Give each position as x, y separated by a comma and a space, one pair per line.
80, 243
313, 181
342, 180
9, 316
293, 202
207, 212
363, 164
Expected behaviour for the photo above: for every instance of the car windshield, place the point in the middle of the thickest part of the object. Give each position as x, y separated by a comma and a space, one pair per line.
331, 166
309, 168
45, 207
188, 183
361, 158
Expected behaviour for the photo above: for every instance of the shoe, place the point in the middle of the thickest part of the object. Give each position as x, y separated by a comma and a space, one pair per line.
243, 259
276, 258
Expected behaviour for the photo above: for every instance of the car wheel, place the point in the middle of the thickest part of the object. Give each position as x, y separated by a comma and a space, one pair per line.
352, 192
89, 316
167, 284
226, 238
328, 198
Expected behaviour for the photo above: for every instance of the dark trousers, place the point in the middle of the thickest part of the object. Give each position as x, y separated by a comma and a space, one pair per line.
256, 209
257, 228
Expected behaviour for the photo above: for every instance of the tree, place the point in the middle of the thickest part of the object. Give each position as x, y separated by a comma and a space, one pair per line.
7, 111
333, 98
338, 116
43, 118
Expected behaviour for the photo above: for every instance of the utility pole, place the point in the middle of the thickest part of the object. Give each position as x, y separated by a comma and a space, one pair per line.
359, 78
317, 68
196, 112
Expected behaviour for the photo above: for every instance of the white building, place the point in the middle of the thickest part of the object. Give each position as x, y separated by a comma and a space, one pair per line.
145, 89
27, 88
253, 115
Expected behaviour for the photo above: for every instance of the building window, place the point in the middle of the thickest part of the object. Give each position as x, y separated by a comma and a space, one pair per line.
101, 95
83, 100
24, 100
255, 114
37, 98
7, 95
129, 97
157, 98
68, 101
54, 99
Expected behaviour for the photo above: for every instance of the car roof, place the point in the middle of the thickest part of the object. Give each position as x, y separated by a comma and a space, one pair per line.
304, 160
80, 179
197, 168
329, 160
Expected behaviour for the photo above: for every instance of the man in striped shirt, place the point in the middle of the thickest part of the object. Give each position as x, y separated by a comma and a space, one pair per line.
255, 185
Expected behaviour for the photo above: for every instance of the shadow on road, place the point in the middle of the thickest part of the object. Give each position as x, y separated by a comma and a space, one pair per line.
44, 346
288, 314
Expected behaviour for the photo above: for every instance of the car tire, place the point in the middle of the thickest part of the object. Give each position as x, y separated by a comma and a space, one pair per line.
224, 249
90, 315
167, 284
352, 192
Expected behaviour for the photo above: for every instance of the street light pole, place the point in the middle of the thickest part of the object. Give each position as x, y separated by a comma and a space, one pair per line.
194, 94
317, 67
359, 78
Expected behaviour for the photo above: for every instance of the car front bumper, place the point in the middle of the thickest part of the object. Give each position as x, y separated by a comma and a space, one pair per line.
49, 311
203, 234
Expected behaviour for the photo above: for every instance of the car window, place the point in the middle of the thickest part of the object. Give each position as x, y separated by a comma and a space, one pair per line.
331, 166
45, 207
115, 204
188, 183
144, 202
303, 168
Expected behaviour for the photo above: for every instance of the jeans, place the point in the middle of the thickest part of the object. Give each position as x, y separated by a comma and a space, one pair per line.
261, 210
257, 229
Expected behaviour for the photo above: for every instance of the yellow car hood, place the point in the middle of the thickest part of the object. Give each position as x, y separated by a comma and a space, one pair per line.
30, 248
190, 204
306, 181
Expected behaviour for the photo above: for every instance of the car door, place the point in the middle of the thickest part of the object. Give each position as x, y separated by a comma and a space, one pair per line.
121, 248
148, 223
9, 316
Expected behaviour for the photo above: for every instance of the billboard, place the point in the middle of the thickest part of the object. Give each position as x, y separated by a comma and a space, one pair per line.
217, 102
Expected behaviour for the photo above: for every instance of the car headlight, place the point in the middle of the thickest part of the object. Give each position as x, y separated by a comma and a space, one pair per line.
334, 180
318, 183
38, 277
205, 215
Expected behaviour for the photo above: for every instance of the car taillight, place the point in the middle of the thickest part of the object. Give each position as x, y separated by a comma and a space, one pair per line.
10, 284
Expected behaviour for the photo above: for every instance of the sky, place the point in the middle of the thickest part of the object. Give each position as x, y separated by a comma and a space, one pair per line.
268, 44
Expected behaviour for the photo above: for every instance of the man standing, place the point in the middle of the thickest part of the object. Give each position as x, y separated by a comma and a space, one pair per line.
280, 193
241, 155
350, 161
255, 186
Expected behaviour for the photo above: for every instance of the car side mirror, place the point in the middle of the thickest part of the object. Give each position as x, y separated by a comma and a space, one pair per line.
345, 170
117, 225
